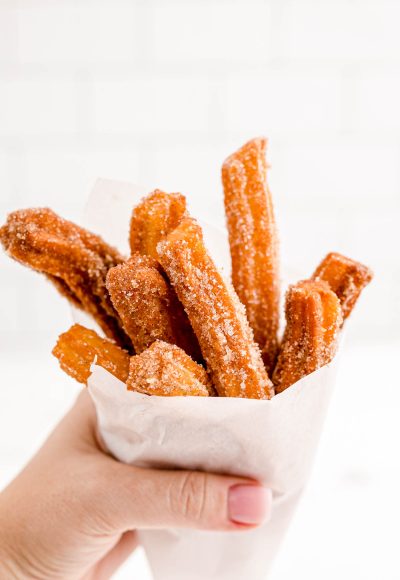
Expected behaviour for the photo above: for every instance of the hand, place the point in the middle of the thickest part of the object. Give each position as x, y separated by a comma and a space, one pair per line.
73, 510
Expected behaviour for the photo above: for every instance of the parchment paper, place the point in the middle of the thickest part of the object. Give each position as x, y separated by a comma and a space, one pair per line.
273, 441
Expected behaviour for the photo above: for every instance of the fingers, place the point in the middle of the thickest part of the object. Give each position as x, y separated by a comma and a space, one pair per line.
147, 498
128, 497
115, 557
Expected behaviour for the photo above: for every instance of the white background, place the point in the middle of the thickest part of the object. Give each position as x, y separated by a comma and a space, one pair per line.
159, 93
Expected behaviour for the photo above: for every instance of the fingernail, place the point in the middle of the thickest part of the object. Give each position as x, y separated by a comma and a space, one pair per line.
249, 504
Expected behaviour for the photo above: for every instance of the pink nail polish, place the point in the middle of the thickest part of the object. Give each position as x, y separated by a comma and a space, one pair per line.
249, 504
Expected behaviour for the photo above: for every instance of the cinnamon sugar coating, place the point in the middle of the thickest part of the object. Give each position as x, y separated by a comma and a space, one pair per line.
154, 218
347, 278
73, 259
216, 315
166, 370
148, 306
313, 320
253, 243
79, 347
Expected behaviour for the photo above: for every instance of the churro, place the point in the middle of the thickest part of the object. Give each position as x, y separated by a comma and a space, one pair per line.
313, 319
166, 370
215, 313
346, 277
73, 259
148, 306
79, 347
253, 243
153, 219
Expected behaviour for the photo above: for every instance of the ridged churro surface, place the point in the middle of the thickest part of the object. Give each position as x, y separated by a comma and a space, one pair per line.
79, 347
346, 277
148, 305
313, 319
216, 315
253, 243
73, 259
153, 218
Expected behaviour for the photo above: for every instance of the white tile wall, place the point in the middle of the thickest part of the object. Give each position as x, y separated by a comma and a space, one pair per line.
8, 36
200, 177
341, 172
151, 105
5, 181
160, 92
378, 94
37, 106
187, 31
66, 174
91, 31
360, 30
283, 101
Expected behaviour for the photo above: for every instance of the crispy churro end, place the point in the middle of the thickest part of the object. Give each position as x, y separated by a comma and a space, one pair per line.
364, 271
78, 347
346, 277
258, 145
74, 259
153, 218
313, 320
166, 370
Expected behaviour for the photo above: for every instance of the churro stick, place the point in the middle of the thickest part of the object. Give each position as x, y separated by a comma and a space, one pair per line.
215, 313
148, 306
313, 319
73, 259
154, 218
346, 277
253, 243
166, 370
79, 347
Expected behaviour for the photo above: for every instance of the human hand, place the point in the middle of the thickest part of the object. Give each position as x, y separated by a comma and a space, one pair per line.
73, 511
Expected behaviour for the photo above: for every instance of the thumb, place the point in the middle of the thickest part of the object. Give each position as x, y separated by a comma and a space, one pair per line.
151, 498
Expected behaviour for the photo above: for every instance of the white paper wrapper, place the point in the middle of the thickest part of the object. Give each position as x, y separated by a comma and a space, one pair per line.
271, 441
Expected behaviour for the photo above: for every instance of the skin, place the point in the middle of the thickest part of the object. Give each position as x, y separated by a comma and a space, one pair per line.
73, 511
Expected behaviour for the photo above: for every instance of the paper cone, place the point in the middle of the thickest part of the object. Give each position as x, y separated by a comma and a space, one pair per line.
272, 441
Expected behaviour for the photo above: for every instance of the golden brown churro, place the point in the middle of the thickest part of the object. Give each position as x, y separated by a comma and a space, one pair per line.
253, 243
346, 277
75, 260
313, 319
154, 218
166, 370
79, 347
148, 306
215, 313
170, 305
